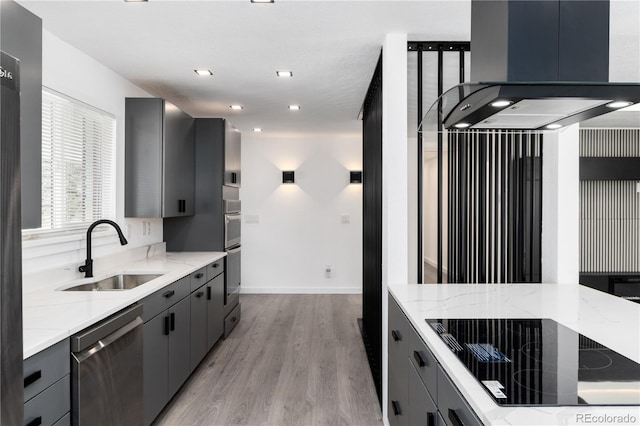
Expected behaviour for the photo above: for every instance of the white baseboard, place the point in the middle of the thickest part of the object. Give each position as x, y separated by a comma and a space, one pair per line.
434, 264
300, 290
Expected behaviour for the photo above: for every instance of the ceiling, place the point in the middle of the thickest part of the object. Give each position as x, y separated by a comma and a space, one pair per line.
331, 46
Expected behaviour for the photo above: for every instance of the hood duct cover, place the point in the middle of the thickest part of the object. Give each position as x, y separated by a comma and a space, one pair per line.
541, 65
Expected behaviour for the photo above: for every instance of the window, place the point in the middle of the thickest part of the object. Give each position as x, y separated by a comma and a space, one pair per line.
77, 163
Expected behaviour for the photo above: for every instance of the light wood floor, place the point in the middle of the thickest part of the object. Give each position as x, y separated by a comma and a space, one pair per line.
292, 360
431, 274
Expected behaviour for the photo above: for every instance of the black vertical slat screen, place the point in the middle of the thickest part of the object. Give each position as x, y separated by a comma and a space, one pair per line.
495, 205
372, 227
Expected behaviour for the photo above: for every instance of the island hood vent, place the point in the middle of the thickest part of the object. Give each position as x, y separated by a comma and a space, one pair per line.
538, 65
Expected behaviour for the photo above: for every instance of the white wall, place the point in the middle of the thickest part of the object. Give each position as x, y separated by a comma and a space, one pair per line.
561, 206
290, 232
73, 73
624, 40
395, 217
430, 203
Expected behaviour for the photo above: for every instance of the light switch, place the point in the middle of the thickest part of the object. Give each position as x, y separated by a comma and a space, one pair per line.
345, 218
251, 218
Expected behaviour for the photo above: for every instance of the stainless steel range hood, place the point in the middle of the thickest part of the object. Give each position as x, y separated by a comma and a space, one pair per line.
539, 65
527, 105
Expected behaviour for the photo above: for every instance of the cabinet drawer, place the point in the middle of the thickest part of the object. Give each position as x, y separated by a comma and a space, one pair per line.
198, 279
214, 269
165, 298
424, 362
398, 334
452, 405
65, 421
50, 405
45, 368
398, 399
422, 409
231, 320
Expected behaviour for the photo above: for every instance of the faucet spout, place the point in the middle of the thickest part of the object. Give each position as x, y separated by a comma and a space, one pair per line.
87, 268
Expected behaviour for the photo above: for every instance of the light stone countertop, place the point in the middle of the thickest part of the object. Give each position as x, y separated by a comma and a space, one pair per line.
607, 319
50, 315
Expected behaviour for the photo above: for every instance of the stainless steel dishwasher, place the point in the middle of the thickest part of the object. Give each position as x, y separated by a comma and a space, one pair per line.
106, 371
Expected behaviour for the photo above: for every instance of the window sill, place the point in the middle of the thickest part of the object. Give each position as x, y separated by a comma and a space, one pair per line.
33, 238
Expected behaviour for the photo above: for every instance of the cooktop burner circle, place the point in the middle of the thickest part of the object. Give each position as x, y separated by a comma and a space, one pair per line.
589, 359
520, 377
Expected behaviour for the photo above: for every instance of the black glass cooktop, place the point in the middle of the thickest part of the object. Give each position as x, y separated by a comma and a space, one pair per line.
540, 362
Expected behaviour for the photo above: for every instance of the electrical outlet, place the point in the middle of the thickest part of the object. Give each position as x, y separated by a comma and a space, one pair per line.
327, 271
345, 218
252, 218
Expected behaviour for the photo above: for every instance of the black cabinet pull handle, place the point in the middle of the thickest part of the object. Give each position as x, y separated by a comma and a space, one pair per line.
173, 321
396, 408
208, 293
169, 293
35, 422
234, 177
396, 336
453, 416
233, 319
419, 359
199, 294
215, 265
199, 275
32, 378
431, 419
166, 326
182, 206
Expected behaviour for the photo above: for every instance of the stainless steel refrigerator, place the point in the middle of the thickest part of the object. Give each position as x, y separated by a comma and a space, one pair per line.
11, 381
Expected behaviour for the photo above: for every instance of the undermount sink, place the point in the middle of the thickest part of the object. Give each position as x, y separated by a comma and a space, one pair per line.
116, 282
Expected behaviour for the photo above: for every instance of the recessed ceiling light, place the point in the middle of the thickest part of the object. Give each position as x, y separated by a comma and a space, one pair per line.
294, 107
500, 104
135, 1
554, 126
284, 73
203, 72
262, 1
257, 129
461, 125
236, 107
619, 104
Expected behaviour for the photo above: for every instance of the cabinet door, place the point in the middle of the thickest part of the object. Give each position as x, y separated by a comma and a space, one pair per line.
215, 310
156, 358
398, 400
422, 408
179, 163
198, 326
179, 344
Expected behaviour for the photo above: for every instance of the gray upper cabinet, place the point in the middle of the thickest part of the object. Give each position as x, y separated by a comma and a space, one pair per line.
159, 159
21, 37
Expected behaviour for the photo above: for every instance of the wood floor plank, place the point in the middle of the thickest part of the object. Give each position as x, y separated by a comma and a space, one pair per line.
292, 360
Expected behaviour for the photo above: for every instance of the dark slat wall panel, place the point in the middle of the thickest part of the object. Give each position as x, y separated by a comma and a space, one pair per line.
609, 209
495, 204
372, 227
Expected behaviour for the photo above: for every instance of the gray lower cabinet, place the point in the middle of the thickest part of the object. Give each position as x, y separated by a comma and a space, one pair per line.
453, 407
422, 409
47, 385
419, 390
167, 362
215, 310
198, 326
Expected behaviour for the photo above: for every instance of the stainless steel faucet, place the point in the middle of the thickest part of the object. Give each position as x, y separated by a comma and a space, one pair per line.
87, 268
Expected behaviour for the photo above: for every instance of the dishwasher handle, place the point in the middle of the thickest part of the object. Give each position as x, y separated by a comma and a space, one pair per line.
89, 337
103, 343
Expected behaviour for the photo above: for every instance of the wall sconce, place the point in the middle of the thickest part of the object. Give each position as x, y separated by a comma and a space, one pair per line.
288, 176
355, 177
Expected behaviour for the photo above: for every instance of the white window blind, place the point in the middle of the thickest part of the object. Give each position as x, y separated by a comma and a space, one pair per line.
77, 163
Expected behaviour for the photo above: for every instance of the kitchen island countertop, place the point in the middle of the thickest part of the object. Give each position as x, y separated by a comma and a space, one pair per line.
609, 320
51, 315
